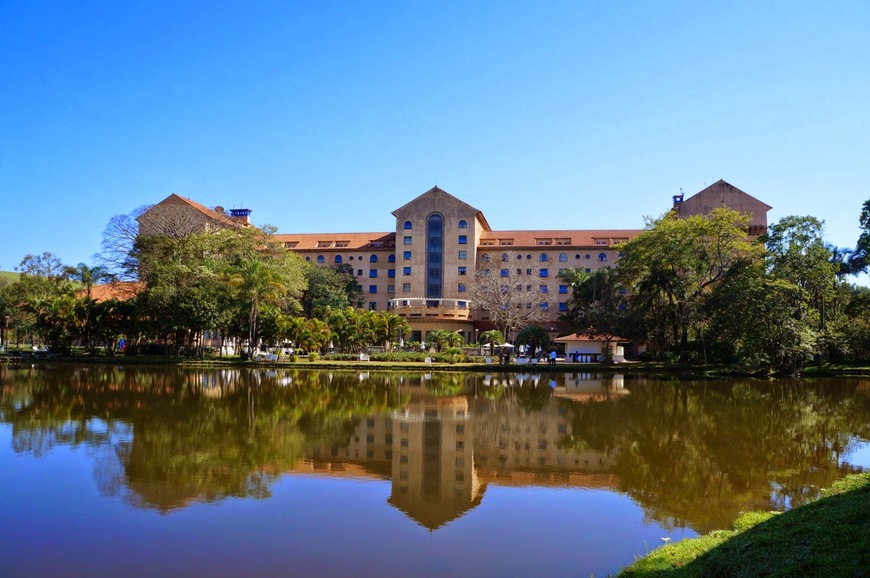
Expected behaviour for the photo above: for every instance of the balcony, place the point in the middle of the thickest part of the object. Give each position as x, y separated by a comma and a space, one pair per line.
421, 308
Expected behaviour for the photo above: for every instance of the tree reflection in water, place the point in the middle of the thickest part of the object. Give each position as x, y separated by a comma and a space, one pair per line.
692, 453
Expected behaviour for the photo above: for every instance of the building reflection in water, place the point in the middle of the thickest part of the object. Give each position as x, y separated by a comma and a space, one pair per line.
442, 452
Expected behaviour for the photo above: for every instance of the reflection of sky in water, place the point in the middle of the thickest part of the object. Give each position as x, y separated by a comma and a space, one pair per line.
858, 454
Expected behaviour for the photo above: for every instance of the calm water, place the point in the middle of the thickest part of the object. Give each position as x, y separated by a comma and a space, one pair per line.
167, 472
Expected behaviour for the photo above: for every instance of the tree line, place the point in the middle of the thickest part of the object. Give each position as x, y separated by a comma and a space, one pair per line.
700, 290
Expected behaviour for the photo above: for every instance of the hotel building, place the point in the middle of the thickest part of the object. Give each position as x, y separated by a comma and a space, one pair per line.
424, 268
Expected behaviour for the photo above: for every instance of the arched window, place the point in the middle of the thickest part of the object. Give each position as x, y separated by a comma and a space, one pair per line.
463, 225
373, 259
602, 257
337, 259
320, 259
434, 255
407, 224
544, 258
563, 258
391, 259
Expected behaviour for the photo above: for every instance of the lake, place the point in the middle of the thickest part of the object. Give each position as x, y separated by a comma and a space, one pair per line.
134, 471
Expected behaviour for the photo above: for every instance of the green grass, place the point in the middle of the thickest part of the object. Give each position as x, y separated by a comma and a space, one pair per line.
8, 276
827, 537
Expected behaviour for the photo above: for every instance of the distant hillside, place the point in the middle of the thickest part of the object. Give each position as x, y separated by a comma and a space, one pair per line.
9, 276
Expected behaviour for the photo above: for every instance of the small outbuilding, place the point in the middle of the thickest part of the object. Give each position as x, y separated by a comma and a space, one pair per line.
592, 348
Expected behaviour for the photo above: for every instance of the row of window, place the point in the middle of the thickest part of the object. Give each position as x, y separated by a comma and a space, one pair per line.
409, 240
463, 224
544, 257
338, 260
463, 255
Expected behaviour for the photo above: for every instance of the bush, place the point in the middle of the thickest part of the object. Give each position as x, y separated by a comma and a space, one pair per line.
313, 356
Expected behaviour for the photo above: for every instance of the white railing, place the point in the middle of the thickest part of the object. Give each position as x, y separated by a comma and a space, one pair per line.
425, 303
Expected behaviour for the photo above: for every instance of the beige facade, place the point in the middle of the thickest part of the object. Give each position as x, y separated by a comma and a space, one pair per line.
424, 268
722, 194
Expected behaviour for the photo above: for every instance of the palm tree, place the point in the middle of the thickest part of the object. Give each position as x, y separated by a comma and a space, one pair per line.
88, 276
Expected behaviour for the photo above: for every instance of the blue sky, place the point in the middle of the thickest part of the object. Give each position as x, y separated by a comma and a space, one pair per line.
326, 116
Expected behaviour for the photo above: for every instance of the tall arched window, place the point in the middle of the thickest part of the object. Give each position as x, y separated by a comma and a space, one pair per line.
337, 259
602, 257
373, 259
320, 259
563, 257
544, 258
391, 259
463, 225
407, 224
434, 256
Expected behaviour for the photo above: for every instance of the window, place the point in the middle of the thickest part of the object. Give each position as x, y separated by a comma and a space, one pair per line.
434, 255
373, 259
373, 306
545, 273
544, 258
406, 270
406, 255
463, 225
504, 256
407, 225
563, 306
563, 258
391, 289
391, 273
544, 306
406, 287
602, 257
461, 288
462, 271
373, 273
359, 272
463, 255
391, 259
373, 288
320, 259
544, 289
351, 258
308, 257
505, 272
563, 289
463, 240
337, 259
407, 240
485, 258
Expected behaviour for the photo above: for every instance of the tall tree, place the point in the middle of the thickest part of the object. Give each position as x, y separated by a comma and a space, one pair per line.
859, 260
510, 297
675, 262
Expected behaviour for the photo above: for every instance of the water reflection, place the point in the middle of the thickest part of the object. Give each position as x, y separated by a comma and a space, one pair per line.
691, 453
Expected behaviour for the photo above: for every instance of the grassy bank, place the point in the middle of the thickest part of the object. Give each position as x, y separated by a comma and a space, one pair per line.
827, 537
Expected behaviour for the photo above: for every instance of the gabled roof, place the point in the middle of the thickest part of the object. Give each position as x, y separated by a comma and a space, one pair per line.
723, 183
222, 218
442, 196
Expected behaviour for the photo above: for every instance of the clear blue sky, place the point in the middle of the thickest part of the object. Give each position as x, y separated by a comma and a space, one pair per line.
326, 116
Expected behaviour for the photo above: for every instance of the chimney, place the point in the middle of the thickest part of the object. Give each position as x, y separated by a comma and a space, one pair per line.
241, 215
